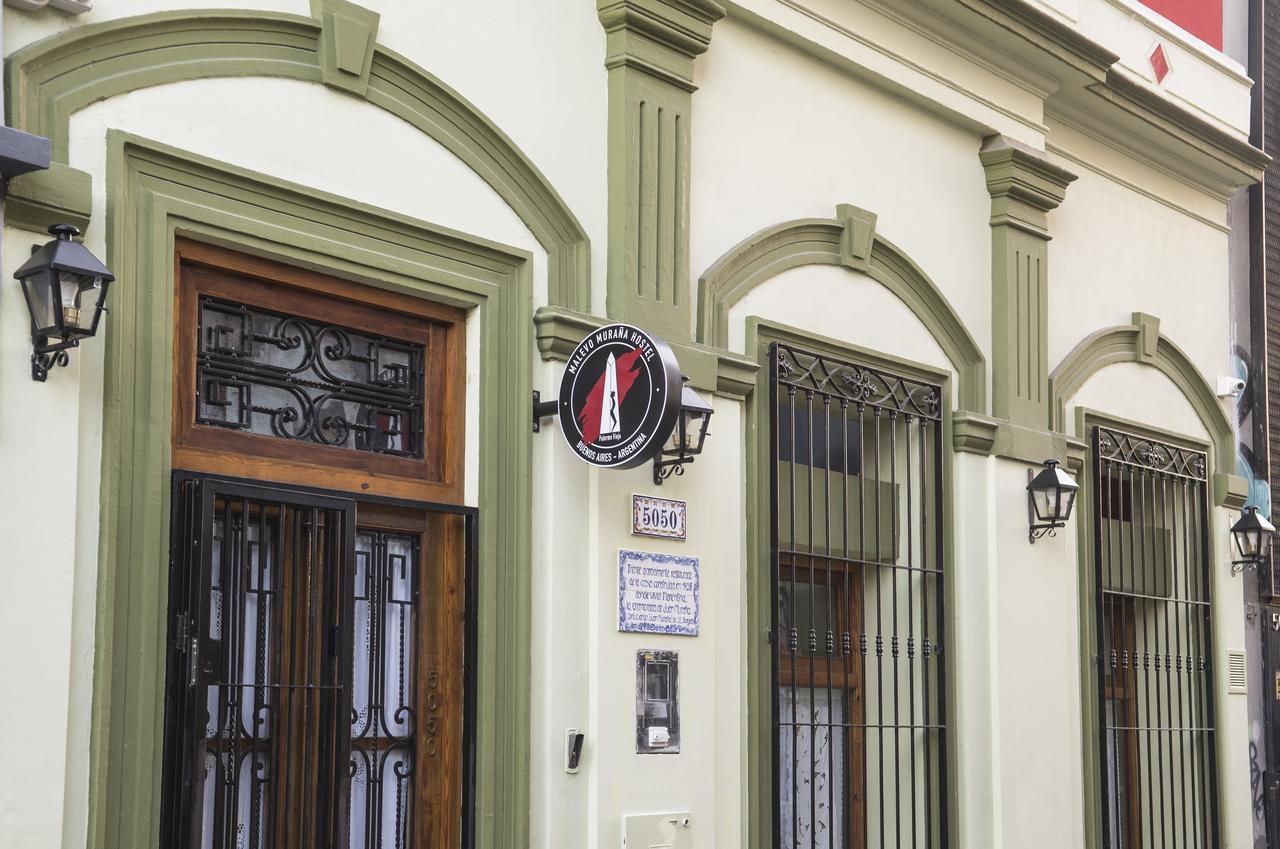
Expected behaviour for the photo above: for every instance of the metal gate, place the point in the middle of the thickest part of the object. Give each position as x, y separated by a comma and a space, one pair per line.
859, 700
1154, 639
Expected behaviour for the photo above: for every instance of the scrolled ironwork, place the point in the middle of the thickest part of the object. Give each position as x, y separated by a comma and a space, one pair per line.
857, 384
1149, 454
294, 378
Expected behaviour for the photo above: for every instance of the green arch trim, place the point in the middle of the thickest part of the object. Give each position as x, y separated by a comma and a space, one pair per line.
822, 241
1141, 342
47, 82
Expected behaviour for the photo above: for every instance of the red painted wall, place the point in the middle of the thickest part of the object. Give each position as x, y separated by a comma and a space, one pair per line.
1201, 18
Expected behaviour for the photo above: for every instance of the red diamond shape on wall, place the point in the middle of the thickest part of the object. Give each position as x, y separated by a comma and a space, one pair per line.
1159, 63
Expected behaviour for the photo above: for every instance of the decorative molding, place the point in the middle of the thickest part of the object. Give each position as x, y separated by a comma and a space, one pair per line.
973, 433
158, 192
1241, 161
1231, 491
651, 45
1126, 345
1024, 186
558, 331
658, 37
858, 236
40, 199
1148, 336
1056, 38
51, 80
348, 37
818, 241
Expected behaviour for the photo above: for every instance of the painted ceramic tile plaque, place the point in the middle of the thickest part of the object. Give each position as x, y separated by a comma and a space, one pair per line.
657, 593
657, 517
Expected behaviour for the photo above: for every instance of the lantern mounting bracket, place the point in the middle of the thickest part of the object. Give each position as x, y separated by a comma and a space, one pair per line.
46, 357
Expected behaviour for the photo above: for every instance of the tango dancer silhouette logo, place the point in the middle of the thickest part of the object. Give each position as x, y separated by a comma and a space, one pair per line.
619, 396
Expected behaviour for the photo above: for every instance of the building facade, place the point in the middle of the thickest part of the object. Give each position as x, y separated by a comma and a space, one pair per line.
292, 559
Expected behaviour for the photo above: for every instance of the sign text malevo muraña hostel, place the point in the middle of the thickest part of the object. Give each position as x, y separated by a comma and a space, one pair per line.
619, 397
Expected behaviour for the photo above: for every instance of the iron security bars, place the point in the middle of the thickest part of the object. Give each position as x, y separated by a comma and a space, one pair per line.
1154, 643
315, 667
258, 696
859, 701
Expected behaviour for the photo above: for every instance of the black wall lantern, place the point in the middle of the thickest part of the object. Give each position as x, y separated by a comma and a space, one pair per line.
1252, 534
1050, 496
66, 291
686, 440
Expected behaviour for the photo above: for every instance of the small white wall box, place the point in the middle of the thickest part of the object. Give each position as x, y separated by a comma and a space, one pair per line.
658, 831
657, 702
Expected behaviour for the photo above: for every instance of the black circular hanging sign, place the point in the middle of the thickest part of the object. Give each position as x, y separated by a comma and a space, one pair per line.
619, 397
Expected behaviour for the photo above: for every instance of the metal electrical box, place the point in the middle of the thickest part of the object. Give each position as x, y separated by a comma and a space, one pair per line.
657, 702
657, 831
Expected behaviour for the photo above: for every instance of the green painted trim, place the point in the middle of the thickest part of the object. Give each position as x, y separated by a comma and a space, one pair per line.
49, 81
973, 433
558, 332
658, 37
1231, 491
1090, 757
349, 35
818, 241
1024, 186
159, 193
757, 435
60, 195
1126, 345
1029, 444
650, 48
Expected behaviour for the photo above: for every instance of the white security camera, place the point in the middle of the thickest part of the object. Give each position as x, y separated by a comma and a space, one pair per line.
1230, 387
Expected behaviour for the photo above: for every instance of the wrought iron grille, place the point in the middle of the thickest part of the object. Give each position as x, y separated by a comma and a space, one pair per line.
258, 682
290, 377
302, 710
859, 701
1154, 642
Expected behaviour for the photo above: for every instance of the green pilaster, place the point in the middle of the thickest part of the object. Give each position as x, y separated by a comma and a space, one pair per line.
1024, 186
651, 45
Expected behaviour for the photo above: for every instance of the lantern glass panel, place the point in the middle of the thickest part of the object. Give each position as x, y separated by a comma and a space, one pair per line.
71, 288
1068, 502
39, 292
1249, 542
1046, 503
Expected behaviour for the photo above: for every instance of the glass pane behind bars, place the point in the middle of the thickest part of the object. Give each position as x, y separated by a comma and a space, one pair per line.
859, 706
1154, 640
384, 706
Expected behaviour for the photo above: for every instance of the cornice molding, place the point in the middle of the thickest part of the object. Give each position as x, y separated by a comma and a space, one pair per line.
1042, 30
1146, 105
659, 37
1023, 183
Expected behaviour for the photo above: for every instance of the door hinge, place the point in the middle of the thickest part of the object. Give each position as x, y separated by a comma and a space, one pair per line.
335, 635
